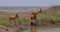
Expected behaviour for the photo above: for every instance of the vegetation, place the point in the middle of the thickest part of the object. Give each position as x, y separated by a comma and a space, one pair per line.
50, 16
42, 18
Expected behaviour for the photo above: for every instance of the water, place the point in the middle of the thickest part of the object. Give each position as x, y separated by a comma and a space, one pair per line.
46, 30
50, 30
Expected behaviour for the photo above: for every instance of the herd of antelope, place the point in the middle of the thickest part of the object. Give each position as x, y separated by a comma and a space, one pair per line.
32, 18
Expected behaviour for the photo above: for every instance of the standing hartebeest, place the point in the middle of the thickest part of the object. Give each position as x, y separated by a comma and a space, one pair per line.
12, 18
33, 19
33, 16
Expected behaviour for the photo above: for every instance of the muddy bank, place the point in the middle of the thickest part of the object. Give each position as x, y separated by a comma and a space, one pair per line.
27, 28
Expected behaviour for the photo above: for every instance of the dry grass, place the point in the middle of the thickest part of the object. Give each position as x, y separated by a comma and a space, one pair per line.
49, 18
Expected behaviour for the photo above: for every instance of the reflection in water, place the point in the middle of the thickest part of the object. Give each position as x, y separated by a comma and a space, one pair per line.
46, 30
33, 29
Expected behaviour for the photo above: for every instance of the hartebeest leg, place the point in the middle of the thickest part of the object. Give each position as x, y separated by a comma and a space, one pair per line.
33, 29
33, 26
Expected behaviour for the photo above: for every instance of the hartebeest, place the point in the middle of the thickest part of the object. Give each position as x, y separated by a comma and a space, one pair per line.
12, 18
33, 19
33, 16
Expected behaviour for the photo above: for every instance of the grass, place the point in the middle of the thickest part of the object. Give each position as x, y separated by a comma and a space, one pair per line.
48, 18
4, 22
42, 19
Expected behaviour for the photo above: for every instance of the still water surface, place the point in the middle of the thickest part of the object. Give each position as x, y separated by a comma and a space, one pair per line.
46, 30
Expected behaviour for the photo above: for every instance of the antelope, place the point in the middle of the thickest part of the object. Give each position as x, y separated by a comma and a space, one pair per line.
33, 16
33, 19
12, 18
